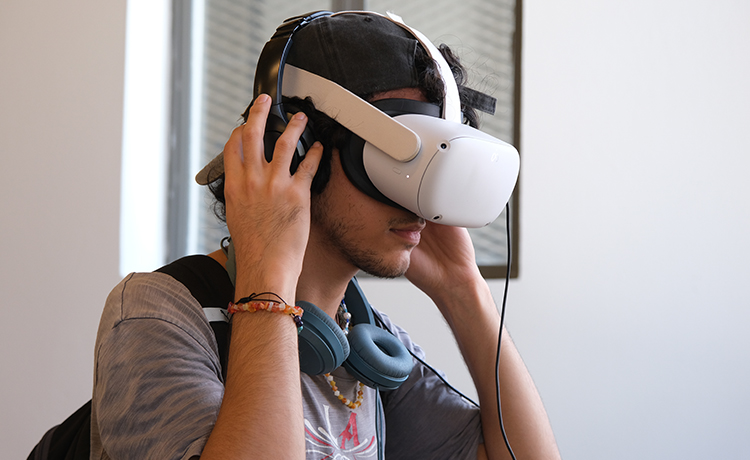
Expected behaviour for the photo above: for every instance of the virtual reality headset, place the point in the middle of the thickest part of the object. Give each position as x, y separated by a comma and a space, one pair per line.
413, 154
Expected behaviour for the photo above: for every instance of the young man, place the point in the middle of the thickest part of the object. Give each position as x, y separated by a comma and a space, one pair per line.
159, 390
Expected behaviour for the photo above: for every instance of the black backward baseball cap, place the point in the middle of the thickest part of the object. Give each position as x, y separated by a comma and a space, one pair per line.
364, 52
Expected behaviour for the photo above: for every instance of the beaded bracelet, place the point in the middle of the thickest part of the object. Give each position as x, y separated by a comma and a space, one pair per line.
252, 304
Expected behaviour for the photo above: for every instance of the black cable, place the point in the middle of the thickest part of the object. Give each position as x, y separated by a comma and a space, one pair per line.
500, 334
382, 325
437, 374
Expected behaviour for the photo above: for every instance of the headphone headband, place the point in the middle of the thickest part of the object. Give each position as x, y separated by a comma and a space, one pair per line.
269, 72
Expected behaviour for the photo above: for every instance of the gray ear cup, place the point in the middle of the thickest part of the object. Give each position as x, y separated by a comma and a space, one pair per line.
322, 345
377, 359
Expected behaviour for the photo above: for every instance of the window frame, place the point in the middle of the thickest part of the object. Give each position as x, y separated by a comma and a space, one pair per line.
182, 194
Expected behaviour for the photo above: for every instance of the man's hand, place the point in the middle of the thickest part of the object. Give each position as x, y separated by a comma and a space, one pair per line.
444, 267
268, 215
443, 262
268, 209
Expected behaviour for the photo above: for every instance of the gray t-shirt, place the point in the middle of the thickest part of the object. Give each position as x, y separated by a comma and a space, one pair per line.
158, 387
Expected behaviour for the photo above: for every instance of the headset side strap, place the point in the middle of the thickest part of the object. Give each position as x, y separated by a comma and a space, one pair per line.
357, 115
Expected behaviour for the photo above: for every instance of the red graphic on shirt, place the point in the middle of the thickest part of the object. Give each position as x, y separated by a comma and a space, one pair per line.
345, 446
350, 432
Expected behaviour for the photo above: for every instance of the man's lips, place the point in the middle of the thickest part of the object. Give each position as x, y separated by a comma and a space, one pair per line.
411, 233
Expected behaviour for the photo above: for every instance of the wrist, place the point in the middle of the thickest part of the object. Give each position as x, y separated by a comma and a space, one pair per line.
283, 283
467, 303
268, 302
454, 294
265, 268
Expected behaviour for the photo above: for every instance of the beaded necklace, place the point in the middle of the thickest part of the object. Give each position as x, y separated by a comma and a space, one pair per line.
343, 316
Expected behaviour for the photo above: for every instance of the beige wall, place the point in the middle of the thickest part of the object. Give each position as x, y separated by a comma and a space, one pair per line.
631, 307
61, 84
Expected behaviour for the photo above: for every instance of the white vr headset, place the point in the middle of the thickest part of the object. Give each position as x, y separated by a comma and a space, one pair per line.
434, 166
440, 169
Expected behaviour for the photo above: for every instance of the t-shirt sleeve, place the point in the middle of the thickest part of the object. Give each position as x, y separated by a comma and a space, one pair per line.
158, 386
425, 418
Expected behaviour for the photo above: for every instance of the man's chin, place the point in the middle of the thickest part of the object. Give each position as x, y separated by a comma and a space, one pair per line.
384, 270
385, 275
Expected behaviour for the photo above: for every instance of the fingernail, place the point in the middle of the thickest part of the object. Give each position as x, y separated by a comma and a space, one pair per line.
300, 116
263, 98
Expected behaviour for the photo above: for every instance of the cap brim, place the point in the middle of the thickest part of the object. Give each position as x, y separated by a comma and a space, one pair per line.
212, 171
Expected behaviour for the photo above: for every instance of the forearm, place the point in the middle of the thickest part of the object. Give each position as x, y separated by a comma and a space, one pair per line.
261, 413
268, 216
473, 317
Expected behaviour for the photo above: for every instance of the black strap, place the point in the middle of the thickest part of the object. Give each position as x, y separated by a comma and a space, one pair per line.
70, 440
478, 100
209, 283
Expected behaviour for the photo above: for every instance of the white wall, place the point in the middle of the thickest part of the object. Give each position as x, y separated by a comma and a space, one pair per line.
631, 305
61, 80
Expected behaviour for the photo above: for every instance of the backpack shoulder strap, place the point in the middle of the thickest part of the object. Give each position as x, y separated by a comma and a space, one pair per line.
70, 440
209, 283
204, 277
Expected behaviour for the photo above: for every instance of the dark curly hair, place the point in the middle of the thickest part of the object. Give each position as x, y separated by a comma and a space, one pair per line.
334, 136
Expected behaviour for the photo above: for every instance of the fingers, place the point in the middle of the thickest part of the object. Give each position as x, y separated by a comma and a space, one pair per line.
286, 145
245, 145
246, 141
309, 166
253, 130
